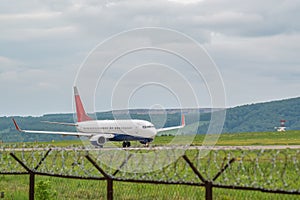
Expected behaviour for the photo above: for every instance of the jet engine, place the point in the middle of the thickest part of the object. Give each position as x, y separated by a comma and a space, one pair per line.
100, 140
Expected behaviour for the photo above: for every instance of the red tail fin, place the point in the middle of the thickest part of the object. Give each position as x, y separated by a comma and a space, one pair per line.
81, 114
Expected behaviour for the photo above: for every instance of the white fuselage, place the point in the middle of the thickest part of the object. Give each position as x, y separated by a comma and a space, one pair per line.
136, 128
280, 129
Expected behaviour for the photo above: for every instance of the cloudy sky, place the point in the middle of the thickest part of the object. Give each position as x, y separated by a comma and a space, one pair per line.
254, 44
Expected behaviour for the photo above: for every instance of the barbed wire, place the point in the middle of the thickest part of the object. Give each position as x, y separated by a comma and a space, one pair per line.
267, 170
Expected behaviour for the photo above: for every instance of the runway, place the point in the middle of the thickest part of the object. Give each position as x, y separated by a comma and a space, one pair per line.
156, 148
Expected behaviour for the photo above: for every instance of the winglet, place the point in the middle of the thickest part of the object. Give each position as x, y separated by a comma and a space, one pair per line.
16, 125
183, 120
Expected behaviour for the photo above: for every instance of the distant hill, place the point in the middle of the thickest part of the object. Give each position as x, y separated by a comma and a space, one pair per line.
258, 117
263, 116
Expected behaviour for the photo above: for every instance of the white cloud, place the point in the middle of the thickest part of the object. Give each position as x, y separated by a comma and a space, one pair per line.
254, 43
185, 2
7, 64
40, 16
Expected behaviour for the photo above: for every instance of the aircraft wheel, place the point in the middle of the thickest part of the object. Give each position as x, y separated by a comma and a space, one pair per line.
124, 144
128, 144
147, 144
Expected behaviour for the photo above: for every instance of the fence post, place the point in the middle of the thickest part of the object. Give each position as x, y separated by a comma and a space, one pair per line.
208, 190
109, 178
31, 172
31, 176
208, 184
110, 189
31, 185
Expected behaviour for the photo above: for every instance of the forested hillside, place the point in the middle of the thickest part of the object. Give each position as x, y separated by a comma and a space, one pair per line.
259, 117
263, 116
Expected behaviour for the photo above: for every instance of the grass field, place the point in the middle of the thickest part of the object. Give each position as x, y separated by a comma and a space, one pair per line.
242, 139
225, 139
257, 169
16, 188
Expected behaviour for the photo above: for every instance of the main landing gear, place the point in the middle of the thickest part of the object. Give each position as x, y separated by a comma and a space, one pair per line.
147, 144
126, 144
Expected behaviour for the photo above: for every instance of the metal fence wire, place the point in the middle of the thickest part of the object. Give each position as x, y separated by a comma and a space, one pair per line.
271, 170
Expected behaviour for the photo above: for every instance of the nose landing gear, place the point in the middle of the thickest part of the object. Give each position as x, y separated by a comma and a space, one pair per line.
126, 144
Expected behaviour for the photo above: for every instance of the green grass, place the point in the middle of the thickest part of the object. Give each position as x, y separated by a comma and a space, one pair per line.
261, 138
16, 188
250, 168
241, 139
225, 139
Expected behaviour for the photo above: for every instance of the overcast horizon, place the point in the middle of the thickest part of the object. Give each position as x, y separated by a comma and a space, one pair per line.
255, 47
73, 112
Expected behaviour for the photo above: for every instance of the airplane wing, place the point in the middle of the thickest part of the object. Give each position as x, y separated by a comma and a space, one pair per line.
51, 132
169, 128
173, 127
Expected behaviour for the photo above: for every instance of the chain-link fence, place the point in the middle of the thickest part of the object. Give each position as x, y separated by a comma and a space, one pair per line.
153, 173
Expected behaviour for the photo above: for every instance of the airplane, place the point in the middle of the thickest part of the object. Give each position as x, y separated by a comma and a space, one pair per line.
280, 129
101, 131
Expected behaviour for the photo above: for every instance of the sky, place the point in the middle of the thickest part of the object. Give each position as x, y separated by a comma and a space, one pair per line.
44, 46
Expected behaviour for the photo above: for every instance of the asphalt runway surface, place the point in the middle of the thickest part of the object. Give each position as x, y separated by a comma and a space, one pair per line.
156, 148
